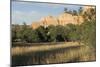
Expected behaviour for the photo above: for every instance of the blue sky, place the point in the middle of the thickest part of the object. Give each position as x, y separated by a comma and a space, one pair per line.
32, 12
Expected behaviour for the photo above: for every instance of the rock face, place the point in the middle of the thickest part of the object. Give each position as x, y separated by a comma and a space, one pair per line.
62, 19
49, 20
66, 18
35, 25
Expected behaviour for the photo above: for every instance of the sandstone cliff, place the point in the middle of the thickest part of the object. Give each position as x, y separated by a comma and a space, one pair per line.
62, 19
49, 20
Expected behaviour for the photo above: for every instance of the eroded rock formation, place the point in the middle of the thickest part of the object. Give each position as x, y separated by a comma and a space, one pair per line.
62, 19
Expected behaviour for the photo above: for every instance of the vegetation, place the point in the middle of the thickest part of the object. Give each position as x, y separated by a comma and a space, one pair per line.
68, 43
73, 12
85, 32
60, 53
49, 34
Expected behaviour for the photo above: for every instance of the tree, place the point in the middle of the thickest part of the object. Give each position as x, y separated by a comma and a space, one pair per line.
65, 10
75, 12
15, 32
26, 34
70, 12
51, 34
60, 33
80, 11
90, 14
72, 32
23, 32
42, 33
88, 30
31, 35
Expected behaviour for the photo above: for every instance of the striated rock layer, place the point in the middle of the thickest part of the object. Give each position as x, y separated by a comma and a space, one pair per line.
62, 19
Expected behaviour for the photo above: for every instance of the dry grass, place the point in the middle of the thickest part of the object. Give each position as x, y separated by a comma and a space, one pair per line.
21, 50
47, 54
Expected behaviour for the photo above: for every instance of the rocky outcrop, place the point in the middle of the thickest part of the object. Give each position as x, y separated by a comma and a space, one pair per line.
49, 20
35, 25
66, 18
62, 19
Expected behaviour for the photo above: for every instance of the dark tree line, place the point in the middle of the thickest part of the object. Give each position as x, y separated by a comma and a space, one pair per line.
41, 34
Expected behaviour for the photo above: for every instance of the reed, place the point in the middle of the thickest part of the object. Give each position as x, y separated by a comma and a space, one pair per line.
50, 54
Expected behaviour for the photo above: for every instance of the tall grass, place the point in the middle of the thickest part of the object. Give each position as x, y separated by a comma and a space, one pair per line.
52, 54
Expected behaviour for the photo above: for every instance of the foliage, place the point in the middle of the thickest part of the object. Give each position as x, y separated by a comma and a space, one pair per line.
88, 28
73, 32
89, 33
51, 34
86, 32
42, 33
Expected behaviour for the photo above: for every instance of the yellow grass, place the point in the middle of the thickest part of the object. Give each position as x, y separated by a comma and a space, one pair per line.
47, 54
21, 50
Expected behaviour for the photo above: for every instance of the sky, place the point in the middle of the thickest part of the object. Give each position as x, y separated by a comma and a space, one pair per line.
29, 12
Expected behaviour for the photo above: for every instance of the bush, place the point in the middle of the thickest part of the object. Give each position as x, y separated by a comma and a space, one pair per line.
89, 33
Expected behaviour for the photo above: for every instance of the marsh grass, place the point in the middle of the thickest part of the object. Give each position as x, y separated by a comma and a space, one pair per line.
61, 53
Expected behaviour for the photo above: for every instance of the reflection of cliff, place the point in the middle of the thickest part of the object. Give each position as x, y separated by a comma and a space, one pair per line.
62, 19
